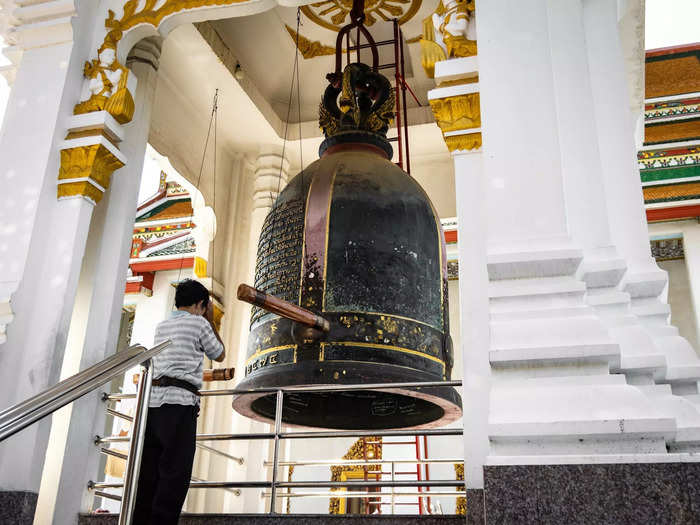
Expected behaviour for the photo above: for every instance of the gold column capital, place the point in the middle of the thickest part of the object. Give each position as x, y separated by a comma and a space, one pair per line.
85, 171
458, 113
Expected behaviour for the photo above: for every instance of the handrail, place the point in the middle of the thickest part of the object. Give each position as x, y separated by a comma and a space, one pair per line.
21, 415
278, 435
304, 389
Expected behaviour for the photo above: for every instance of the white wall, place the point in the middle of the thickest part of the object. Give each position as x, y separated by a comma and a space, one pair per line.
684, 278
679, 297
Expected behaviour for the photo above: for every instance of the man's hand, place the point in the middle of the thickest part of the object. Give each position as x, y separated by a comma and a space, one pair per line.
209, 312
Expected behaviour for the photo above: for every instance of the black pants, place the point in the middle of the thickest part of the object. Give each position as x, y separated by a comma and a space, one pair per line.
166, 465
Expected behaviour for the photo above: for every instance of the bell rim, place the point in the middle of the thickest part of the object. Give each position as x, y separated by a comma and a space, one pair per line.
446, 398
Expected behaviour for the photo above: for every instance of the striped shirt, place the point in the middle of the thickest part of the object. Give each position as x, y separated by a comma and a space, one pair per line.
192, 338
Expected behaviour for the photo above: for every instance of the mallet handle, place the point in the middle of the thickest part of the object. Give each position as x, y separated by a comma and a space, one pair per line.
282, 308
218, 374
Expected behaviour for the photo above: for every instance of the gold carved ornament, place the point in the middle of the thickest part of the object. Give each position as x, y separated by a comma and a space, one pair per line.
117, 100
332, 14
109, 92
290, 473
218, 316
346, 104
468, 141
309, 48
363, 448
461, 508
108, 83
200, 267
83, 164
444, 34
457, 112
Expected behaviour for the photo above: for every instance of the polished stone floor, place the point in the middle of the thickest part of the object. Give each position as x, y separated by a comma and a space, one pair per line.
288, 519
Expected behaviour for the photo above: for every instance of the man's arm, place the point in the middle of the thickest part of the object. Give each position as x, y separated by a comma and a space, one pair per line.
209, 316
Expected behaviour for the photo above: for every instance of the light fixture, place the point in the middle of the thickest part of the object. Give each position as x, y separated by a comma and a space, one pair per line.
238, 72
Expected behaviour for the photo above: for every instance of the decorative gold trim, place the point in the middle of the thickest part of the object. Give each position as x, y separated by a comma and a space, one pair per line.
385, 347
460, 46
149, 15
365, 447
384, 10
267, 351
438, 42
457, 112
103, 73
430, 54
459, 81
117, 100
97, 132
218, 315
468, 141
325, 248
383, 314
93, 162
200, 267
308, 48
290, 473
80, 189
461, 509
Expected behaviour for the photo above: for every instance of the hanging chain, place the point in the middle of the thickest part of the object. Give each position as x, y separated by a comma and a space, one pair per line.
212, 120
215, 114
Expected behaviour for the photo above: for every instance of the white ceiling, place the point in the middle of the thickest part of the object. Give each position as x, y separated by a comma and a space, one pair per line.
191, 70
266, 53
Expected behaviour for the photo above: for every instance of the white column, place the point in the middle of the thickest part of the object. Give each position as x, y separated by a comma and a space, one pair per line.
615, 133
270, 178
271, 174
573, 100
550, 352
644, 281
602, 268
474, 313
45, 237
104, 307
51, 55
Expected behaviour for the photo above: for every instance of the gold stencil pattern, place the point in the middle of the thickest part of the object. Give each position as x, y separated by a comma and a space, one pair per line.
458, 112
148, 14
468, 141
334, 14
363, 448
309, 48
461, 509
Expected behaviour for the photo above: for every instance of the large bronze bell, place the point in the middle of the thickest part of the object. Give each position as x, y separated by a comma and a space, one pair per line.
354, 239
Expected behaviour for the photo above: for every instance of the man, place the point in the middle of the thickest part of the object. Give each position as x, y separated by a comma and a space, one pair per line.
169, 443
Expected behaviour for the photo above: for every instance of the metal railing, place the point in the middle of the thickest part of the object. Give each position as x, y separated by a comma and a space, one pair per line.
277, 435
21, 415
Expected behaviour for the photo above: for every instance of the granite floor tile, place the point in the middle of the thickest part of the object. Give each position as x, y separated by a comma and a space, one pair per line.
17, 507
510, 494
288, 519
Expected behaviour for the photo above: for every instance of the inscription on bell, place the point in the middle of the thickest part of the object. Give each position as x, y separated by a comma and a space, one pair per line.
278, 267
262, 362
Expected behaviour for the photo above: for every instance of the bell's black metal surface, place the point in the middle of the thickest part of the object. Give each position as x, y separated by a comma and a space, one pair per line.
356, 241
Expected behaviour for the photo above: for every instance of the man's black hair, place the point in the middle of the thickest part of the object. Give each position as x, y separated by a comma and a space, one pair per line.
190, 292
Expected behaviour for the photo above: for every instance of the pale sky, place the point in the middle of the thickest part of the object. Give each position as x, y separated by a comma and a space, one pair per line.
668, 23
